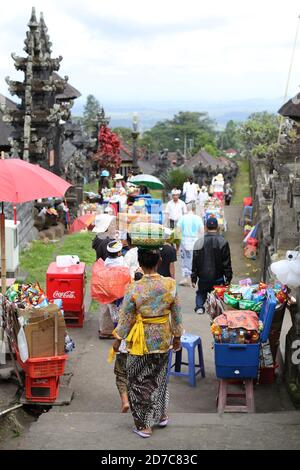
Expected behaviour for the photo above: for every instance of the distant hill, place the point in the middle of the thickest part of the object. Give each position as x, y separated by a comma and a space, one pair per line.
153, 111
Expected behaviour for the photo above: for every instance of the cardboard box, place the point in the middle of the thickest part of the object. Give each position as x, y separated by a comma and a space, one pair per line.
40, 335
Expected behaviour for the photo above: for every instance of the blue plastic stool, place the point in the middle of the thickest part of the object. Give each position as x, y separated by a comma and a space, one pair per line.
189, 342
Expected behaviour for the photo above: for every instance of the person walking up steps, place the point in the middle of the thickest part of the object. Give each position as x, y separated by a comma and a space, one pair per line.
211, 263
191, 227
151, 323
190, 191
175, 208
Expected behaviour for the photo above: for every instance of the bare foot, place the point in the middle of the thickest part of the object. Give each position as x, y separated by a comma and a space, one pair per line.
125, 402
125, 407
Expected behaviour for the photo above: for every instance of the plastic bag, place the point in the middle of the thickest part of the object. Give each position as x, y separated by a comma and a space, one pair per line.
2, 351
22, 342
245, 319
108, 282
250, 305
230, 300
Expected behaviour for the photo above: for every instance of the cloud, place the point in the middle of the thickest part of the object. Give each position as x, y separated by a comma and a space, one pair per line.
122, 29
162, 49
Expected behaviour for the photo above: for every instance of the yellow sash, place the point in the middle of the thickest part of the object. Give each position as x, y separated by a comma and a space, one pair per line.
137, 335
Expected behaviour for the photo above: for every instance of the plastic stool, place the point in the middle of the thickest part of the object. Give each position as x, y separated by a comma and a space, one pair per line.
189, 342
248, 394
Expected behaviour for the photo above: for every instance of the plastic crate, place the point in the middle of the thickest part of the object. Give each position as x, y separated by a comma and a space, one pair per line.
155, 209
235, 361
46, 366
43, 366
74, 319
267, 375
41, 390
242, 360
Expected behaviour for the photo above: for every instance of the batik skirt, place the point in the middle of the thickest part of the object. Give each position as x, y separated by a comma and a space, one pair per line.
120, 371
147, 388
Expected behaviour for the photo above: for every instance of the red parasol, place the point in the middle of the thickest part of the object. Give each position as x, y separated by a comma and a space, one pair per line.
21, 181
82, 222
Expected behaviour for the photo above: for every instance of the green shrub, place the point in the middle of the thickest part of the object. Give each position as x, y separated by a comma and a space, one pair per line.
177, 177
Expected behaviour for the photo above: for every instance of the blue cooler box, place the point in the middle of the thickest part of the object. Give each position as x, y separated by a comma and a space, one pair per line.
235, 361
154, 207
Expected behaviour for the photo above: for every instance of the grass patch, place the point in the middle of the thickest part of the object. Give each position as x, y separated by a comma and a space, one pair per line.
242, 183
79, 244
156, 193
94, 307
34, 261
91, 187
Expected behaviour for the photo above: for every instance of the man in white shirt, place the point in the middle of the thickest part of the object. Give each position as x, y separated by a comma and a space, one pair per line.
175, 208
190, 191
191, 229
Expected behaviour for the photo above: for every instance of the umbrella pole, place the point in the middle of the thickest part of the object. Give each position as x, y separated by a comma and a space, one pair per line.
3, 258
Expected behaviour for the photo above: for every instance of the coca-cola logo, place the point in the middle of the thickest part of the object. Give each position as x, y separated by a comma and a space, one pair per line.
69, 294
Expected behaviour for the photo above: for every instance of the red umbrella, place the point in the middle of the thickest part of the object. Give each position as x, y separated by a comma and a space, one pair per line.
82, 222
21, 181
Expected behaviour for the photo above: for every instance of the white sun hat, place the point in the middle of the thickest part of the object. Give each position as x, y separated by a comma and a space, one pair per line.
115, 246
102, 222
175, 192
118, 177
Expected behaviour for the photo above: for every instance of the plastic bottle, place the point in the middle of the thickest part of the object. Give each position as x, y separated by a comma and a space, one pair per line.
232, 337
241, 337
225, 336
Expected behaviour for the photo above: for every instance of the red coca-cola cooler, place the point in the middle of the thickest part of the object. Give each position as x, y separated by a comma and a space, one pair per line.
68, 284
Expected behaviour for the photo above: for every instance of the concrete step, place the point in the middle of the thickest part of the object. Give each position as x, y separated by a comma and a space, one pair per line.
91, 431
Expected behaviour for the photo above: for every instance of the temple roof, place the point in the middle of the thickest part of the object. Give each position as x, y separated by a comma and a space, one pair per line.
207, 160
5, 128
291, 108
69, 93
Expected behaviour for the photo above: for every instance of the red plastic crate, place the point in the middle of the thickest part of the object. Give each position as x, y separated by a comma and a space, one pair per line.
43, 366
267, 375
41, 390
74, 319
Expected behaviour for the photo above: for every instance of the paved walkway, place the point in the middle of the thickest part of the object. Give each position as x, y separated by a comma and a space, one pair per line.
93, 421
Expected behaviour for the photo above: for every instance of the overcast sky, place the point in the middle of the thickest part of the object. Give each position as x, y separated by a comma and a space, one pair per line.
163, 49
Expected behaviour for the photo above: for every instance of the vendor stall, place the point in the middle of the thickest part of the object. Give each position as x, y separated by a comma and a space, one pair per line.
247, 314
37, 334
213, 207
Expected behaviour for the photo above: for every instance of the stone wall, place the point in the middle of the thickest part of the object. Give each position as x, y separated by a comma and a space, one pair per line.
276, 196
27, 231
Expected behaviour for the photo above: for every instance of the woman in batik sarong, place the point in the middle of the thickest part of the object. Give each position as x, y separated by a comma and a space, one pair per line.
151, 323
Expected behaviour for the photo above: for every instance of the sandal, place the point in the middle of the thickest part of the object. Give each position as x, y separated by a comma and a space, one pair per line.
164, 422
104, 336
142, 434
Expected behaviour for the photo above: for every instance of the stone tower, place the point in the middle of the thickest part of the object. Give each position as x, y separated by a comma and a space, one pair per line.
38, 120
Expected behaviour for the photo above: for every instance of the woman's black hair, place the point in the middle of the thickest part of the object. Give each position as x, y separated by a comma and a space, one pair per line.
128, 238
148, 258
113, 255
144, 190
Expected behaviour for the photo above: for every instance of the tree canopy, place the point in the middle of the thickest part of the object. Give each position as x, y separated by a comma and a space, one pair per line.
187, 130
90, 111
259, 133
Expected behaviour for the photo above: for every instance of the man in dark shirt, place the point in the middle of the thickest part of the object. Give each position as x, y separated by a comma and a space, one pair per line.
211, 263
168, 258
105, 227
